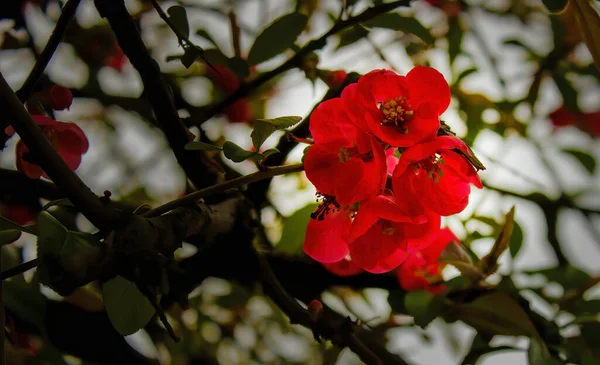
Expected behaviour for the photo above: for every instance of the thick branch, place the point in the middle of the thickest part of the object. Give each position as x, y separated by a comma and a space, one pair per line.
156, 90
68, 12
75, 189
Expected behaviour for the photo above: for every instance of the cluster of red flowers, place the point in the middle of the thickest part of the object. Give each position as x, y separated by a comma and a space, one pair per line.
586, 122
378, 211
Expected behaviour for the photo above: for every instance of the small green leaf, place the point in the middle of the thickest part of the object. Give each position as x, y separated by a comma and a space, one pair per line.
455, 37
423, 306
294, 229
567, 91
127, 308
398, 22
192, 53
538, 353
555, 6
588, 161
236, 153
464, 74
179, 18
202, 33
489, 262
351, 36
283, 122
261, 131
201, 146
9, 236
277, 37
496, 313
516, 240
269, 152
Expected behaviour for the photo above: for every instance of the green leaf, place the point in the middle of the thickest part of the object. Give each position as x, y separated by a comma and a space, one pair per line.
202, 33
351, 36
236, 153
489, 262
423, 306
127, 308
516, 240
277, 37
464, 74
398, 22
179, 18
9, 236
555, 6
294, 229
201, 146
263, 128
538, 353
6, 224
567, 91
190, 56
496, 313
588, 161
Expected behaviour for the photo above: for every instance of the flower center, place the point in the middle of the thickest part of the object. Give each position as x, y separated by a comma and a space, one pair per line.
387, 229
328, 205
430, 166
395, 112
347, 153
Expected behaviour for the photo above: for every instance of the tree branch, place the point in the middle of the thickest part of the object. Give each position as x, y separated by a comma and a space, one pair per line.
68, 12
51, 162
157, 91
295, 61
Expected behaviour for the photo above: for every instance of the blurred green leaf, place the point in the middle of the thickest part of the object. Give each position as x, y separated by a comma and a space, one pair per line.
568, 92
195, 146
277, 37
489, 262
9, 236
479, 347
464, 74
516, 240
294, 229
588, 21
398, 22
204, 34
496, 313
351, 36
236, 153
127, 308
6, 224
191, 54
555, 6
587, 160
538, 353
179, 18
423, 306
455, 37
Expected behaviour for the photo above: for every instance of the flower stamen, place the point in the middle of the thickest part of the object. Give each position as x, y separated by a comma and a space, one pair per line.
395, 112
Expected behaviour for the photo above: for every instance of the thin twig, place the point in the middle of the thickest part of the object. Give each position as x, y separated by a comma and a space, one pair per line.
19, 269
52, 163
68, 12
341, 334
219, 188
2, 322
247, 88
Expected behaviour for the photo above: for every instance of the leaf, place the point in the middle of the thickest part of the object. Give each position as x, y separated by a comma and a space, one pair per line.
351, 36
179, 18
6, 224
398, 22
277, 37
464, 74
201, 146
26, 301
9, 236
263, 128
516, 240
588, 161
192, 53
496, 313
555, 6
455, 37
567, 91
202, 33
423, 306
236, 153
239, 66
489, 262
538, 353
127, 308
294, 229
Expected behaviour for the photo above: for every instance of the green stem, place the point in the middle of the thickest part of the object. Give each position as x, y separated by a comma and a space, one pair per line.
219, 188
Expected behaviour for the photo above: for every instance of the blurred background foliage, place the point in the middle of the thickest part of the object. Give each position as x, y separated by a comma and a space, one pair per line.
525, 96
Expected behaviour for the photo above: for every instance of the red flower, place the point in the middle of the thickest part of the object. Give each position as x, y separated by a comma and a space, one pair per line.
20, 214
399, 110
60, 97
421, 269
384, 230
344, 162
436, 177
333, 79
345, 267
67, 138
116, 59
586, 122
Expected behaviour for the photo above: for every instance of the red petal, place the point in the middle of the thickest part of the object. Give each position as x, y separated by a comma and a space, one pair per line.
391, 160
43, 120
358, 111
426, 149
70, 138
345, 267
426, 84
330, 122
325, 240
376, 252
32, 171
436, 244
379, 85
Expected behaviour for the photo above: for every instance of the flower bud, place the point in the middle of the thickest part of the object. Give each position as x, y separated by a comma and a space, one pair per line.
333, 79
60, 97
